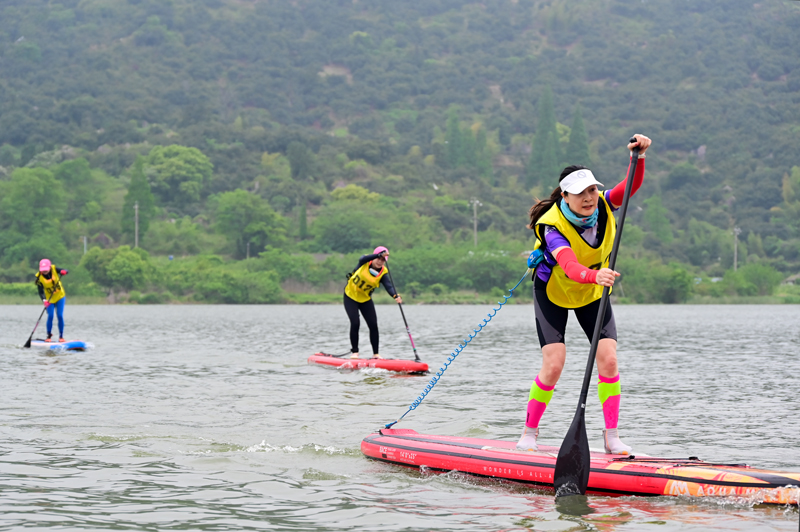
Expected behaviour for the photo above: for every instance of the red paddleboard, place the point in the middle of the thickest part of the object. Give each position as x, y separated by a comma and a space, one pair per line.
609, 474
390, 364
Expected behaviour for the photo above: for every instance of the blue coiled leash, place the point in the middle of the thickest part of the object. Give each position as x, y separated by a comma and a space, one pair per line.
534, 259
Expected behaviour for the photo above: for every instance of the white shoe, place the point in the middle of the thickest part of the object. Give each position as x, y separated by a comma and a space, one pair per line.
528, 440
613, 444
354, 355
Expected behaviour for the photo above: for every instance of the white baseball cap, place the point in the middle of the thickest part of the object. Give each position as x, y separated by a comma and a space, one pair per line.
578, 181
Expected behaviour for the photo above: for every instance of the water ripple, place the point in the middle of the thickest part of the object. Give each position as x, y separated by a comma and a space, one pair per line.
209, 418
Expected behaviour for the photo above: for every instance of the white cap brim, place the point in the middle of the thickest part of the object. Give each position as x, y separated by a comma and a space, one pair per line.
578, 181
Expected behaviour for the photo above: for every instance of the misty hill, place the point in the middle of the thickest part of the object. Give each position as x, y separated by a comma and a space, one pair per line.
375, 91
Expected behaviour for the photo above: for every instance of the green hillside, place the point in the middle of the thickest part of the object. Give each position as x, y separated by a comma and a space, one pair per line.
269, 143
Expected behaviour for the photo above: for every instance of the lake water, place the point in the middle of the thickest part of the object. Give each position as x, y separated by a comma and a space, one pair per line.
209, 418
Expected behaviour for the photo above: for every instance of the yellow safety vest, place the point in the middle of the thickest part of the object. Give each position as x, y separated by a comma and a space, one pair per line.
53, 290
362, 283
562, 290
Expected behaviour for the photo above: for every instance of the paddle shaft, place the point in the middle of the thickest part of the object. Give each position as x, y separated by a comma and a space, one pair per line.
571, 476
416, 356
28, 343
612, 262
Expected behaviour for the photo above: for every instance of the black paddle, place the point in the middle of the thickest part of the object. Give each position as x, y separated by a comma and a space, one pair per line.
28, 343
416, 356
571, 476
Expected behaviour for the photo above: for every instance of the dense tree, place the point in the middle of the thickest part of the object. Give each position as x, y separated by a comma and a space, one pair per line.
301, 160
302, 224
424, 105
682, 175
455, 149
578, 148
121, 268
8, 156
177, 173
544, 165
138, 193
128, 269
483, 156
248, 222
342, 228
657, 221
31, 205
355, 193
96, 262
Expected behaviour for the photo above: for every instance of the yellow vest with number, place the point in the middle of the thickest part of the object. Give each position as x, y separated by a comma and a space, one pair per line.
53, 290
362, 283
562, 290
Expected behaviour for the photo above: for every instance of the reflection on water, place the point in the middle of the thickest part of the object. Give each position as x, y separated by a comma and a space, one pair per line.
577, 505
209, 418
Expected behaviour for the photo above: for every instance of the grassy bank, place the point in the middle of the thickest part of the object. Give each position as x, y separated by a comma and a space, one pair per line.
72, 300
786, 294
744, 300
450, 298
465, 298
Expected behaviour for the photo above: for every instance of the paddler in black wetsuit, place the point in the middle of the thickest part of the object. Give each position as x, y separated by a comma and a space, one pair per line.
370, 272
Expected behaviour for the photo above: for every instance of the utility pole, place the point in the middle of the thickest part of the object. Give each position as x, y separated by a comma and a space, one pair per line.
248, 249
84, 245
136, 224
736, 233
475, 204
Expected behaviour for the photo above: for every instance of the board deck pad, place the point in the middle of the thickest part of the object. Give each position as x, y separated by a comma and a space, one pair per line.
390, 364
609, 474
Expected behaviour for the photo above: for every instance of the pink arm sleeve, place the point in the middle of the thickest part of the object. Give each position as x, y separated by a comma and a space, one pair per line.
575, 270
617, 194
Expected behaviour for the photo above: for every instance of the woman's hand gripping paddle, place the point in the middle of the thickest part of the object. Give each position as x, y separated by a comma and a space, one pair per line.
28, 343
571, 475
416, 356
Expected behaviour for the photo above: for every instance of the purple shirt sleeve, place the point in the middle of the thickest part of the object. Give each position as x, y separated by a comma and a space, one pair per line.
610, 205
553, 239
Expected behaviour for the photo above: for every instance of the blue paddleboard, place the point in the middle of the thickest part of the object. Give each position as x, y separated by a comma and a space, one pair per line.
70, 345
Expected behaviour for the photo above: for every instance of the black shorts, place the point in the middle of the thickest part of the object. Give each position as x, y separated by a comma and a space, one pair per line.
551, 320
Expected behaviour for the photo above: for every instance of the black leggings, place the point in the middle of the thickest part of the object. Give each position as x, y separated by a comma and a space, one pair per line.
367, 309
551, 320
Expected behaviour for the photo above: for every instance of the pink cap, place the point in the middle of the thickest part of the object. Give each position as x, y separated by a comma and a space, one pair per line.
379, 249
44, 265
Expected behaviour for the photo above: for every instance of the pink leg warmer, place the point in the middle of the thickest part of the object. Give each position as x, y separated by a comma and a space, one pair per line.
537, 402
609, 390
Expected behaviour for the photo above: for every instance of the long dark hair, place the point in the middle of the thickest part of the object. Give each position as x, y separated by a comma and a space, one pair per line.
541, 206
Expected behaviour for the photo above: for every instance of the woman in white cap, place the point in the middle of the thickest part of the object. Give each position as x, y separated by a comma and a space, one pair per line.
370, 272
576, 228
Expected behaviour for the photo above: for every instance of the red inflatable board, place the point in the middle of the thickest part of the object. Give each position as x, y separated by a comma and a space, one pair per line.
390, 364
610, 474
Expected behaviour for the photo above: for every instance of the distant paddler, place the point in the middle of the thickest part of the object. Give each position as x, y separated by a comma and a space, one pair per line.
575, 228
51, 292
361, 283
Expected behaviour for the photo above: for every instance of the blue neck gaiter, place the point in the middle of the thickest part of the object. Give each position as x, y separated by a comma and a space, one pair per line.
585, 222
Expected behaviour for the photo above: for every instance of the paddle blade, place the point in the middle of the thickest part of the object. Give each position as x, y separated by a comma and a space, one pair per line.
28, 343
571, 475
